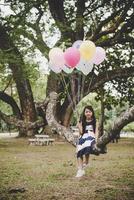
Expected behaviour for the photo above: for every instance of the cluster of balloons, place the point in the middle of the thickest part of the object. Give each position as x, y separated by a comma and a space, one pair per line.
82, 55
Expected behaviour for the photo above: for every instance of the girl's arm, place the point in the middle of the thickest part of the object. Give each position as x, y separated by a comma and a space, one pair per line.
79, 125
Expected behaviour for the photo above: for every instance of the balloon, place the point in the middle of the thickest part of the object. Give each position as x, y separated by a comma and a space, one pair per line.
100, 55
53, 51
72, 57
77, 44
87, 50
54, 68
84, 66
87, 69
56, 57
67, 69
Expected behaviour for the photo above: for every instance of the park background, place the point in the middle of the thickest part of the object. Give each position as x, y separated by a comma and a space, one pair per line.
29, 89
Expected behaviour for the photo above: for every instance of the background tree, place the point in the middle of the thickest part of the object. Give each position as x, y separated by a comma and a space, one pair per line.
108, 24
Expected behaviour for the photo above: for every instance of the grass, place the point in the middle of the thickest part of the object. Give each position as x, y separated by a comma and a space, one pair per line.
48, 172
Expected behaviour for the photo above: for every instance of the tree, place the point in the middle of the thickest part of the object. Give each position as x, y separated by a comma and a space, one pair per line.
22, 84
91, 20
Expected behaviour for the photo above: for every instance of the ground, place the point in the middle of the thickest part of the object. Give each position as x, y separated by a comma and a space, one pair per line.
48, 172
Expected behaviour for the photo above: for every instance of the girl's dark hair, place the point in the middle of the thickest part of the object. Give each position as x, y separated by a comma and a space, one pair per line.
83, 118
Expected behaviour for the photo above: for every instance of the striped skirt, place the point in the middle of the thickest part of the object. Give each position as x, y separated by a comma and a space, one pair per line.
85, 144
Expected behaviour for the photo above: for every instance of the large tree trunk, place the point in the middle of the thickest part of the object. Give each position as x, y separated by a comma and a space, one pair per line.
67, 116
64, 112
101, 119
16, 64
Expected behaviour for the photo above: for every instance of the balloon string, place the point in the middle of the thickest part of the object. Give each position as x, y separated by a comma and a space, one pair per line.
90, 82
74, 98
68, 95
79, 80
82, 86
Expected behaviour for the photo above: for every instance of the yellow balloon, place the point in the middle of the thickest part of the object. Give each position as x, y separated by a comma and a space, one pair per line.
87, 50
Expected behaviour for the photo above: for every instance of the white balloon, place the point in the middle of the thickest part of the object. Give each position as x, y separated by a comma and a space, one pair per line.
67, 69
54, 68
84, 66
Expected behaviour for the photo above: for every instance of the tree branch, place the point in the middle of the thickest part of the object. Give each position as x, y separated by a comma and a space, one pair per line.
94, 9
113, 22
57, 11
10, 80
9, 100
80, 4
20, 123
50, 115
124, 119
108, 76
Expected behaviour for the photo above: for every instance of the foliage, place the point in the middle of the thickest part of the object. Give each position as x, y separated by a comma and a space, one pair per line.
33, 25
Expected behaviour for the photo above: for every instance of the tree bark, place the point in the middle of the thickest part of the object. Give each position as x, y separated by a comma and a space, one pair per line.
101, 120
16, 64
67, 116
107, 76
124, 119
9, 100
21, 123
50, 116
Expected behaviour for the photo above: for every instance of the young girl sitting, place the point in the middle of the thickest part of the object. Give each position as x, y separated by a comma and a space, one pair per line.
88, 134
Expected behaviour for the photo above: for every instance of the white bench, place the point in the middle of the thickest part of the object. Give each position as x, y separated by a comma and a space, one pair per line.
32, 141
42, 136
41, 140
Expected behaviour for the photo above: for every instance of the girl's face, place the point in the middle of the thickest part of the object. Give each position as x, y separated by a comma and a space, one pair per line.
88, 113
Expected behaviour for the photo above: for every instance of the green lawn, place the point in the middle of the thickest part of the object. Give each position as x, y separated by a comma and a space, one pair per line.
48, 172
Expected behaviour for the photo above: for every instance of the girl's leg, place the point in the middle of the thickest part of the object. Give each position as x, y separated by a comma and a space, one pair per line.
80, 162
80, 171
87, 159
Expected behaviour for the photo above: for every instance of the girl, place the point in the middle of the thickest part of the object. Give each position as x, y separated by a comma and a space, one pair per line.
88, 133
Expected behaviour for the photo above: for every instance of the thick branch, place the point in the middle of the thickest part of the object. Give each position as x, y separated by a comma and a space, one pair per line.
41, 109
50, 116
112, 25
80, 4
113, 28
121, 36
108, 76
9, 100
58, 13
124, 119
104, 22
10, 81
21, 124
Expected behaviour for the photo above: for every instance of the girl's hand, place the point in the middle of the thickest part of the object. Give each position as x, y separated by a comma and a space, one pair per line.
92, 134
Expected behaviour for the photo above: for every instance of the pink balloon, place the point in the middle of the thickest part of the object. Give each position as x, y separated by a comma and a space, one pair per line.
72, 57
100, 55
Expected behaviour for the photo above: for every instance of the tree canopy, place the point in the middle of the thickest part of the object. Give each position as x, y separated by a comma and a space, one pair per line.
28, 27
